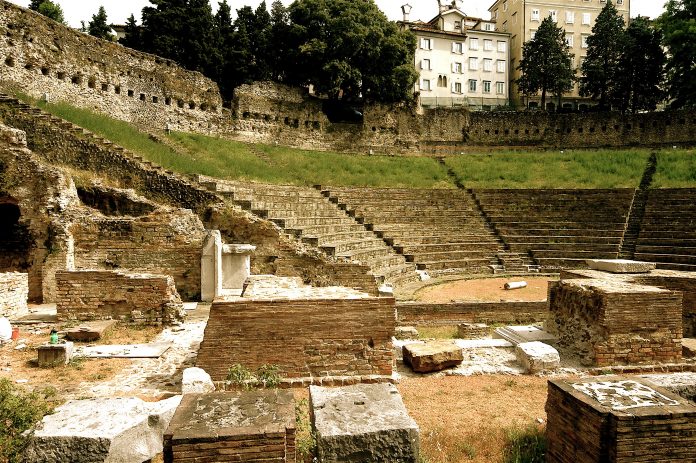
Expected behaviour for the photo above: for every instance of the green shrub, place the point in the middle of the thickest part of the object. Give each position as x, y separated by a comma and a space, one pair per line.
305, 438
525, 445
265, 377
19, 411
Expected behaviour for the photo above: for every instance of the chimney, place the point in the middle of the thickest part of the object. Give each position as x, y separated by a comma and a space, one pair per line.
406, 10
440, 7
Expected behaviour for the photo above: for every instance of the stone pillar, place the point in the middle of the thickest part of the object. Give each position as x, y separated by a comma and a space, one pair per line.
224, 267
211, 271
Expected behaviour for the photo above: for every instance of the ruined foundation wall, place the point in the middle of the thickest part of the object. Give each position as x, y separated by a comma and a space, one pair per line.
305, 338
14, 293
102, 295
417, 313
38, 55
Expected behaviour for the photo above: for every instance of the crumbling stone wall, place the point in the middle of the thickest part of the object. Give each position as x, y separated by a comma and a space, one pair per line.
418, 313
612, 323
41, 56
303, 337
102, 295
14, 293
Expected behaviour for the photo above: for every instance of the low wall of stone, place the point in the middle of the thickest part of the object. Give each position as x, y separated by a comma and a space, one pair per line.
308, 338
418, 313
351, 275
14, 293
103, 295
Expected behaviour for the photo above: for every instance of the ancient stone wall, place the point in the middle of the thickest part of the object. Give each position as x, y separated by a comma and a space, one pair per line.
612, 323
38, 55
418, 313
14, 293
312, 338
102, 295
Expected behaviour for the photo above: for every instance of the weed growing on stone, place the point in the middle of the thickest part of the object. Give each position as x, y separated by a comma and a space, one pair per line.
19, 411
265, 377
525, 445
305, 439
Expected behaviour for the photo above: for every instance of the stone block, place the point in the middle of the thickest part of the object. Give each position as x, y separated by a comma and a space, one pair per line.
536, 356
406, 333
522, 333
472, 330
53, 355
250, 426
196, 381
90, 331
363, 423
620, 265
432, 356
114, 430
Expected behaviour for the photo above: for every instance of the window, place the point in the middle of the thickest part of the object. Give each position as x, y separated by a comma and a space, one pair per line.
457, 25
457, 47
457, 87
570, 17
486, 86
472, 85
505, 6
502, 46
487, 65
500, 65
487, 45
583, 39
535, 14
442, 81
569, 39
425, 85
514, 18
426, 44
457, 68
425, 64
473, 44
473, 64
500, 88
586, 19
487, 26
554, 15
532, 33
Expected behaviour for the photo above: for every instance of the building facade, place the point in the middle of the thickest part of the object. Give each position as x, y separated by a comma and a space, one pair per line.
521, 18
461, 60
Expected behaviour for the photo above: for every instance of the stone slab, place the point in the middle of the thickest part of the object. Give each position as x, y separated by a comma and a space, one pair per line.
432, 356
114, 430
472, 330
53, 355
620, 265
536, 357
683, 384
196, 381
90, 331
363, 423
152, 350
689, 347
406, 333
522, 333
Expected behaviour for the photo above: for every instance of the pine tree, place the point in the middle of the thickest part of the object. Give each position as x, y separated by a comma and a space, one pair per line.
34, 4
98, 26
132, 38
600, 70
546, 63
677, 27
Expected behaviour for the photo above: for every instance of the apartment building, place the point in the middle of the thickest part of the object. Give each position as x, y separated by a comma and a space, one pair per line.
461, 60
521, 18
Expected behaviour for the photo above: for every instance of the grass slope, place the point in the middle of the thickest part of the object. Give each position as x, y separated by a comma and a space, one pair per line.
675, 169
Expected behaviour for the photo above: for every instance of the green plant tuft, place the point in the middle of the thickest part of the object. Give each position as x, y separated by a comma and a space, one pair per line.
525, 445
305, 438
265, 377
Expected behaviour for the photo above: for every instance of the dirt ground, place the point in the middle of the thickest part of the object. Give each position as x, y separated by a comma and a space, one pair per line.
485, 290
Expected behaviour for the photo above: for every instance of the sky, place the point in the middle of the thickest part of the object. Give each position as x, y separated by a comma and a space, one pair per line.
118, 10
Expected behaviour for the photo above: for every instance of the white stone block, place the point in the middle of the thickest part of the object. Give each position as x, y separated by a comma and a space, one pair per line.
196, 381
620, 265
536, 356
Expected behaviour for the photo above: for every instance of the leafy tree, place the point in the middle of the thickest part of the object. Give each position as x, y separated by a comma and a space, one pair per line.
641, 68
48, 9
132, 38
600, 70
348, 48
546, 63
98, 26
678, 26
277, 41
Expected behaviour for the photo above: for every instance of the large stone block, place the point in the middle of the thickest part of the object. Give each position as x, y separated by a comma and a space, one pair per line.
196, 381
620, 265
116, 430
536, 356
432, 356
53, 355
363, 423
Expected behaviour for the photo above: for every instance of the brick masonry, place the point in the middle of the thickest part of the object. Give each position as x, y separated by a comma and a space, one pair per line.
14, 292
305, 338
609, 322
102, 295
418, 313
599, 428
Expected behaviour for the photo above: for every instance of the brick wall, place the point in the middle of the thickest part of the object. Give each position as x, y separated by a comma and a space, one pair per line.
14, 292
610, 322
417, 313
101, 295
305, 338
321, 273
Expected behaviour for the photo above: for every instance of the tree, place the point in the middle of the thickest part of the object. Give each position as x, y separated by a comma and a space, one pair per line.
348, 49
600, 70
48, 9
132, 38
277, 41
677, 26
546, 63
98, 26
640, 75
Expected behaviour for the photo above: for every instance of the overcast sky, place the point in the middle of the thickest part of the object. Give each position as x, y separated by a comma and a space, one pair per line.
118, 10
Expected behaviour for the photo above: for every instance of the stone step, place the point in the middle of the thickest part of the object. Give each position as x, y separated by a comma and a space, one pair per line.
667, 258
563, 247
371, 254
555, 232
328, 239
680, 250
454, 263
562, 239
342, 247
448, 247
450, 256
301, 222
442, 239
330, 230
572, 254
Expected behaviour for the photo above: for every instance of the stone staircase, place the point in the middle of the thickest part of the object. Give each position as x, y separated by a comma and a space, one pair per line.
308, 215
637, 212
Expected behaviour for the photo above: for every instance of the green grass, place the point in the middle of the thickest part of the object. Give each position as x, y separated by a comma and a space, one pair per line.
551, 169
676, 168
525, 445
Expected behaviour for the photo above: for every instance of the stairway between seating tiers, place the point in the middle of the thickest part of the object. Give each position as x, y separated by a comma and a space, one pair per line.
559, 228
441, 231
304, 213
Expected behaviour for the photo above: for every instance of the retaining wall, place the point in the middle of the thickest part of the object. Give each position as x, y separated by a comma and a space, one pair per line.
14, 292
417, 313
